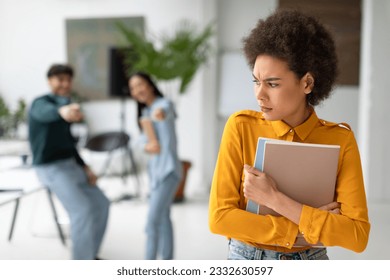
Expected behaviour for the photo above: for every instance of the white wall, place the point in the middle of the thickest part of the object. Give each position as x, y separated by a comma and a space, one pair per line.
237, 18
341, 107
209, 125
33, 37
374, 115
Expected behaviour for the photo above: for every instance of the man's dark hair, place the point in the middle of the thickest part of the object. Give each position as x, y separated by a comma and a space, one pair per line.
301, 41
58, 69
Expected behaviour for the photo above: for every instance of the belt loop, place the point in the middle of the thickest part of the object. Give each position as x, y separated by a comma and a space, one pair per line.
303, 254
258, 254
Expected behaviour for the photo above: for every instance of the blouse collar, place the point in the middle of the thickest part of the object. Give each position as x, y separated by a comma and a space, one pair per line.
303, 130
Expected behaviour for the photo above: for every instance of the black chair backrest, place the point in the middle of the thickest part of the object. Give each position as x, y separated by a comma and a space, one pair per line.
107, 141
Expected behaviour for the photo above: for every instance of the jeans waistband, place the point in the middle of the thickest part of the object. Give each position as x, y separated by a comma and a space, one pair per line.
240, 250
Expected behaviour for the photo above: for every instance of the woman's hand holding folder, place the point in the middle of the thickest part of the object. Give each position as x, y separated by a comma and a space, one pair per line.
262, 189
333, 207
259, 187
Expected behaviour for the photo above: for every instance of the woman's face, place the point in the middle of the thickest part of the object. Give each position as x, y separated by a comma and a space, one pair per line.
279, 93
141, 90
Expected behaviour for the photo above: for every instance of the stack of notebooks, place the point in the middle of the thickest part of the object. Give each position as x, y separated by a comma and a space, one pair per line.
304, 172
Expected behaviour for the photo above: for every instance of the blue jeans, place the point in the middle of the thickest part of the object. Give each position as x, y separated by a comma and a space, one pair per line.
86, 205
241, 251
159, 230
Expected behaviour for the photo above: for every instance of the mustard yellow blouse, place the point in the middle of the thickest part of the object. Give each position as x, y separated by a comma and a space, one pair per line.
227, 216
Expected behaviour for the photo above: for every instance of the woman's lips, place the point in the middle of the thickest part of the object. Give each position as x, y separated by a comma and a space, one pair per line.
265, 109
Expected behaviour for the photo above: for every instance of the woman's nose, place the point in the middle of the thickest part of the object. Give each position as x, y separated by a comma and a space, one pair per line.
260, 93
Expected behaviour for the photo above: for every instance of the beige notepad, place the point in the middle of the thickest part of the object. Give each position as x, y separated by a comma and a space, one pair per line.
305, 172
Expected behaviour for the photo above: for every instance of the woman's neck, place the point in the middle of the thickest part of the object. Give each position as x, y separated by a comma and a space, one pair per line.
150, 101
305, 116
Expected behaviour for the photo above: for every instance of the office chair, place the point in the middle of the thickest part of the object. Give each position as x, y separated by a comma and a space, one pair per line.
110, 142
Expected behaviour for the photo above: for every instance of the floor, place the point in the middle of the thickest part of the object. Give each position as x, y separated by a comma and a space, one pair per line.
35, 235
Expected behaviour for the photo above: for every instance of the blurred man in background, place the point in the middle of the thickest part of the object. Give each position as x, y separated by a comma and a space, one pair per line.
59, 166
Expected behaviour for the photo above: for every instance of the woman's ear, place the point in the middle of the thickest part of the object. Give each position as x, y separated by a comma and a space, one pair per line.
308, 80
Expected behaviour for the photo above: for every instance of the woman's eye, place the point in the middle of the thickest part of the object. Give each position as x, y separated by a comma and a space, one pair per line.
273, 85
257, 83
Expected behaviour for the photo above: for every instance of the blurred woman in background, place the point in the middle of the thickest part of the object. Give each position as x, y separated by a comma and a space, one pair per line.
164, 167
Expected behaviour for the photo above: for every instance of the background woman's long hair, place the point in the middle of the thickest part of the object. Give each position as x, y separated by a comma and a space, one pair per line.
156, 91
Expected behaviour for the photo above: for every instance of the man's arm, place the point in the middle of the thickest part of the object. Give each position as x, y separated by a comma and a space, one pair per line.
78, 158
44, 111
92, 178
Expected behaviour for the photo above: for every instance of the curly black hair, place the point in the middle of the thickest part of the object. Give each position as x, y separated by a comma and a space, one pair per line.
300, 40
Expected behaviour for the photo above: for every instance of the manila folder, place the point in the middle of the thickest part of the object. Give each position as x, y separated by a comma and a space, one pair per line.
304, 172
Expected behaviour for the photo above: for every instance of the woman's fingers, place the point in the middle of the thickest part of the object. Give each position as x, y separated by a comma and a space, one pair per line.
331, 207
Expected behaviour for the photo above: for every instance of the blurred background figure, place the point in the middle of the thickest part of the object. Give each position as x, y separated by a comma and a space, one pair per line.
164, 167
59, 166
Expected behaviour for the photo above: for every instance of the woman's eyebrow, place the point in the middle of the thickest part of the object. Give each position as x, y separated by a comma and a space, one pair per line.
270, 79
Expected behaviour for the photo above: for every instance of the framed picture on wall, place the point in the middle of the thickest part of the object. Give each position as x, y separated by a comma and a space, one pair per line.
90, 43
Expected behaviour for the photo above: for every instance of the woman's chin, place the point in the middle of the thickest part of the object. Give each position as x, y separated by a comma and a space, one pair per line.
268, 115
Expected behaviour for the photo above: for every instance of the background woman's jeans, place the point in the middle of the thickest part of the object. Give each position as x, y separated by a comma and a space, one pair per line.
241, 251
159, 225
86, 205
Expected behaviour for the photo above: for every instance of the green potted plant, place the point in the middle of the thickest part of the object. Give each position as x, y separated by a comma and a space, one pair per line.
5, 118
20, 115
20, 119
178, 58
